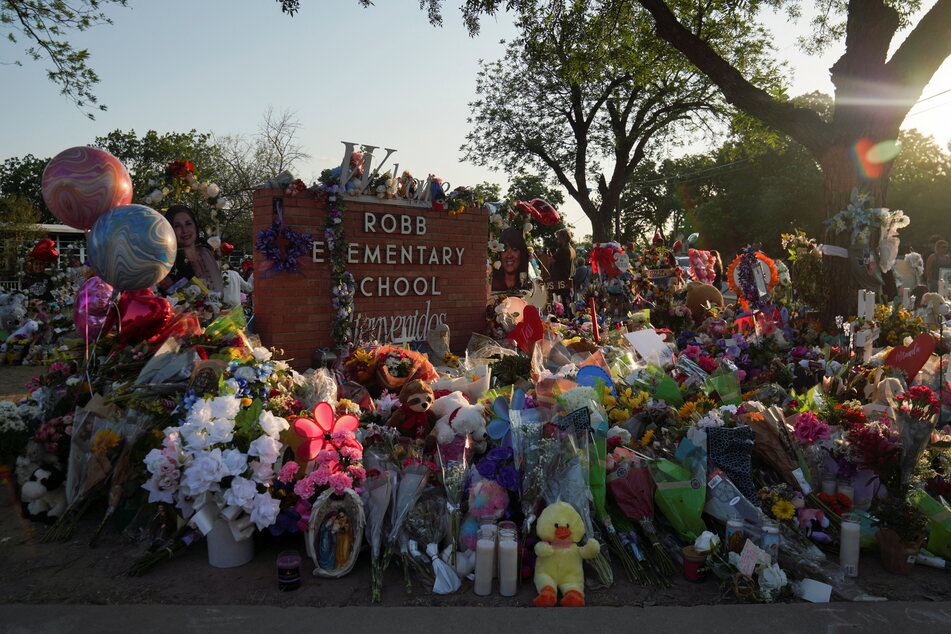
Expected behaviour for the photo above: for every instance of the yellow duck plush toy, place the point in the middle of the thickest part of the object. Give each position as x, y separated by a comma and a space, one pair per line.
558, 566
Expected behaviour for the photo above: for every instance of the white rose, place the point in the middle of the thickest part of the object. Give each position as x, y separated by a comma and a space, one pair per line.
772, 579
214, 242
260, 472
212, 190
707, 542
235, 462
203, 473
241, 493
264, 510
266, 448
271, 424
527, 227
261, 354
621, 433
226, 406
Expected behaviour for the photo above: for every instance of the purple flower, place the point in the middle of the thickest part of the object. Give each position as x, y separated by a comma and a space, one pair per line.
500, 454
487, 468
508, 477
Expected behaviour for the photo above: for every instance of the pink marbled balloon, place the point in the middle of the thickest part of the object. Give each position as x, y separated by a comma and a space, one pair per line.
82, 183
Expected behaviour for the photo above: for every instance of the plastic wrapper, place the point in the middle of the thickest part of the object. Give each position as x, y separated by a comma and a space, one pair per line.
318, 386
939, 521
679, 496
724, 502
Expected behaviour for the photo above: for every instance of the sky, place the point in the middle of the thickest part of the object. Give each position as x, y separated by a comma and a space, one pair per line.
378, 76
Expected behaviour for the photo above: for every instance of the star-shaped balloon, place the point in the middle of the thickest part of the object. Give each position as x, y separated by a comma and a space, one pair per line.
316, 430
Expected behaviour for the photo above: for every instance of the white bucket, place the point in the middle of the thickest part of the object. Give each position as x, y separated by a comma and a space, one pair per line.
224, 551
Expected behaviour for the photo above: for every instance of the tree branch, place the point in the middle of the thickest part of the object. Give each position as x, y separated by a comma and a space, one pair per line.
802, 124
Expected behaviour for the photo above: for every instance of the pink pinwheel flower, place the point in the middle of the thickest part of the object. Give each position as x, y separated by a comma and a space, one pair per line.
317, 430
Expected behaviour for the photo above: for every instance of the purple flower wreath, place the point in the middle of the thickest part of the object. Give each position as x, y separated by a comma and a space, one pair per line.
298, 244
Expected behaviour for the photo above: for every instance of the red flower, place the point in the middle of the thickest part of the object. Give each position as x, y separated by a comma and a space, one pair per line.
202, 353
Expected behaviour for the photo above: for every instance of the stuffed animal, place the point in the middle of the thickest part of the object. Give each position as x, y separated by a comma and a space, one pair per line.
414, 418
456, 417
12, 311
558, 567
43, 494
814, 522
487, 502
934, 310
699, 297
234, 286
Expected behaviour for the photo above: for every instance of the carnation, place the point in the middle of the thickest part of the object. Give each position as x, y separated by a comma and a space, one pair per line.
340, 481
288, 471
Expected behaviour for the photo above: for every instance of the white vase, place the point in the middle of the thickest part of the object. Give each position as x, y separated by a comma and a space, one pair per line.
224, 551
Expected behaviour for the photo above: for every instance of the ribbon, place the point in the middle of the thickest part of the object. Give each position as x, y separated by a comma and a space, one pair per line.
446, 581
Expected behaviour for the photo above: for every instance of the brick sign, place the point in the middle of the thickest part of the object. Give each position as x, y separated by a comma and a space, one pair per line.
414, 268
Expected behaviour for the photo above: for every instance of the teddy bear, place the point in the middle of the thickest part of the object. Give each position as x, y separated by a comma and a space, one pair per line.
559, 558
414, 417
487, 502
43, 494
455, 417
12, 311
934, 310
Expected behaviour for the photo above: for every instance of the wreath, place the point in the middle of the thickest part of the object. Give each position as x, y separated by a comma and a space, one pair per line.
741, 280
298, 244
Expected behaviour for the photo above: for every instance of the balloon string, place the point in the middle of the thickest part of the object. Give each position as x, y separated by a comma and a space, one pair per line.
113, 305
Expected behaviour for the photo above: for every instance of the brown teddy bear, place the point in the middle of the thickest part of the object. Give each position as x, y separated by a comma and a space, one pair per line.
413, 418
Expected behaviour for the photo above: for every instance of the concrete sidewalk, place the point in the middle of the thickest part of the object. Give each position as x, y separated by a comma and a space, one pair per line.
768, 619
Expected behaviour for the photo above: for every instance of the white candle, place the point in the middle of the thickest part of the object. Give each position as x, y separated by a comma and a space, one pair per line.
850, 536
485, 562
828, 486
508, 564
906, 298
848, 491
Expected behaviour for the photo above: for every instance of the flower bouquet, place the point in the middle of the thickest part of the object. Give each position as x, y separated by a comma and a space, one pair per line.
218, 464
360, 365
377, 495
423, 532
917, 411
454, 476
395, 367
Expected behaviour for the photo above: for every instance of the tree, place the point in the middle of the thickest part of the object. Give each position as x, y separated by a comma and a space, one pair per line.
22, 177
583, 86
43, 25
920, 185
247, 162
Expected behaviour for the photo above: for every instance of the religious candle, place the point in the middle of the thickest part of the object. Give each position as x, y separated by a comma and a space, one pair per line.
850, 535
508, 559
485, 561
288, 570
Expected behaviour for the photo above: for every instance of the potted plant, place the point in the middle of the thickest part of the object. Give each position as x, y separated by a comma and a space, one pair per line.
902, 530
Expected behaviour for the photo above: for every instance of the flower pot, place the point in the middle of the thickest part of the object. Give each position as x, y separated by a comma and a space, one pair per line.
224, 551
898, 557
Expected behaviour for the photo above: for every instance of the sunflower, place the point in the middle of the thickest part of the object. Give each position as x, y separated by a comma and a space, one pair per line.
783, 510
687, 409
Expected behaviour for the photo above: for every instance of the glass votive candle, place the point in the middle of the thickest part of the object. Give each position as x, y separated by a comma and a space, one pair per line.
288, 570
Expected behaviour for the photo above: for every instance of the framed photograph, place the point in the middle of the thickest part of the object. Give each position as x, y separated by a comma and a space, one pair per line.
944, 279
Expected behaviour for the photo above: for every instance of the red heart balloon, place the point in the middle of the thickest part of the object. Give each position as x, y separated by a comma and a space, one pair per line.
910, 359
528, 331
142, 314
226, 248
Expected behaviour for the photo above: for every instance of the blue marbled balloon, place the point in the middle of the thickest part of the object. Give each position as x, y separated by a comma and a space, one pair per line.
132, 247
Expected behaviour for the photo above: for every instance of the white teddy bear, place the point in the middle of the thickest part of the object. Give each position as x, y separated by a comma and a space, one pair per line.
455, 416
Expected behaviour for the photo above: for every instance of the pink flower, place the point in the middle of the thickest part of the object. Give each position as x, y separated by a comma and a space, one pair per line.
304, 489
808, 429
327, 457
347, 451
321, 475
358, 473
340, 481
288, 471
692, 352
707, 363
342, 437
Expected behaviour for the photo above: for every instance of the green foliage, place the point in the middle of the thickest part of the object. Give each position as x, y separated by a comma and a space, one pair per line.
44, 26
584, 84
22, 177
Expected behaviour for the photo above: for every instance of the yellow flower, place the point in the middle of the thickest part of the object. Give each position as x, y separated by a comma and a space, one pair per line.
361, 356
647, 437
783, 510
568, 342
451, 360
687, 409
619, 414
104, 441
609, 401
